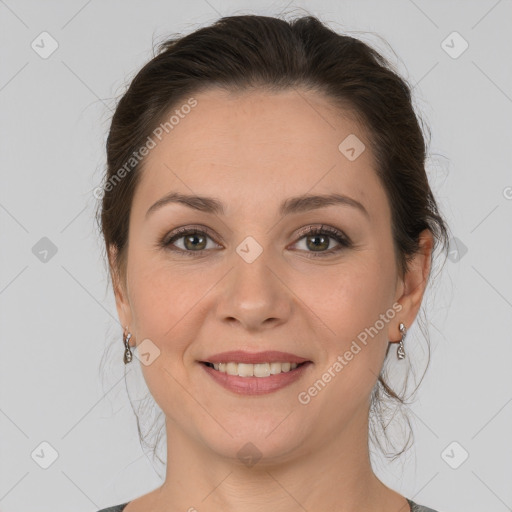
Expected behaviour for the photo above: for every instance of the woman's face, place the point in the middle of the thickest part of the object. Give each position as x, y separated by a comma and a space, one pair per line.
252, 280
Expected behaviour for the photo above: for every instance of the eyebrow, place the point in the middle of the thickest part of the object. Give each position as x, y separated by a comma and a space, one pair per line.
292, 205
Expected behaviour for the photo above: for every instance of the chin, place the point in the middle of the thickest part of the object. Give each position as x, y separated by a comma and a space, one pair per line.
257, 442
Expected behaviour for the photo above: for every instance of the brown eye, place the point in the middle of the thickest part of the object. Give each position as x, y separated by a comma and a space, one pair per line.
188, 241
194, 242
318, 239
317, 242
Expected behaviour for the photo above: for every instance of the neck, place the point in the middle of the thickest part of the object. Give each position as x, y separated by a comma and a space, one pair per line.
328, 474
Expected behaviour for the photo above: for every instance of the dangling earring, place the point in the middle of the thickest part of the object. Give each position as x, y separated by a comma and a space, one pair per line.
400, 352
127, 350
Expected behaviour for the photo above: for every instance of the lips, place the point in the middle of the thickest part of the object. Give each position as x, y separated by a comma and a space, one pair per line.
240, 356
254, 385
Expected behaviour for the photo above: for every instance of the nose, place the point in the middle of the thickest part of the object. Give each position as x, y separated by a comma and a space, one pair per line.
255, 296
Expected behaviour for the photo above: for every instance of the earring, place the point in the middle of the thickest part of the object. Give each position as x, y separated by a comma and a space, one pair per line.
127, 350
400, 352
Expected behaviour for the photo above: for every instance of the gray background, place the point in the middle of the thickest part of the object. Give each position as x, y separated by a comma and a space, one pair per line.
57, 316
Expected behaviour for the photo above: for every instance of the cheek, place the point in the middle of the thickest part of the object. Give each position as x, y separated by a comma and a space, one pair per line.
157, 295
162, 301
152, 300
358, 309
167, 303
356, 305
350, 298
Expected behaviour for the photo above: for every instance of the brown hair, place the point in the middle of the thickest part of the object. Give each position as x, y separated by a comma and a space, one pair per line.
240, 53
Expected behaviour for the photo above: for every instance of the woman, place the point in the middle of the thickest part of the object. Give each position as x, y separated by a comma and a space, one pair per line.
270, 232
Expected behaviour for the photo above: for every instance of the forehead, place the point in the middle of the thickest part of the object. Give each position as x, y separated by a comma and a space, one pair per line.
253, 146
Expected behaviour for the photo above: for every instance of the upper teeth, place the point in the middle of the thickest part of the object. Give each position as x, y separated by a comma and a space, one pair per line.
254, 370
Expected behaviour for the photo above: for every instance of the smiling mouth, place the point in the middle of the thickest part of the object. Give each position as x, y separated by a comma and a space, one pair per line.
261, 370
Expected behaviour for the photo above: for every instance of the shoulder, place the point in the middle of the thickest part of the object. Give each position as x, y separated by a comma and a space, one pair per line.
116, 508
419, 508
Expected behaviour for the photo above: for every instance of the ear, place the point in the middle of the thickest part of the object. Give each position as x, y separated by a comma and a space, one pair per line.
120, 291
412, 287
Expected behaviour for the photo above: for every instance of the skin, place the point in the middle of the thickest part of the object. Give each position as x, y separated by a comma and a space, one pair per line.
252, 151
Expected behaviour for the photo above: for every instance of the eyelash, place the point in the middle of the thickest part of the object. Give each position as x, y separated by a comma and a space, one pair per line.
339, 236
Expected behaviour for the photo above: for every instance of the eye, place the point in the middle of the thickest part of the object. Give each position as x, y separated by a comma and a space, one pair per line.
193, 240
317, 240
